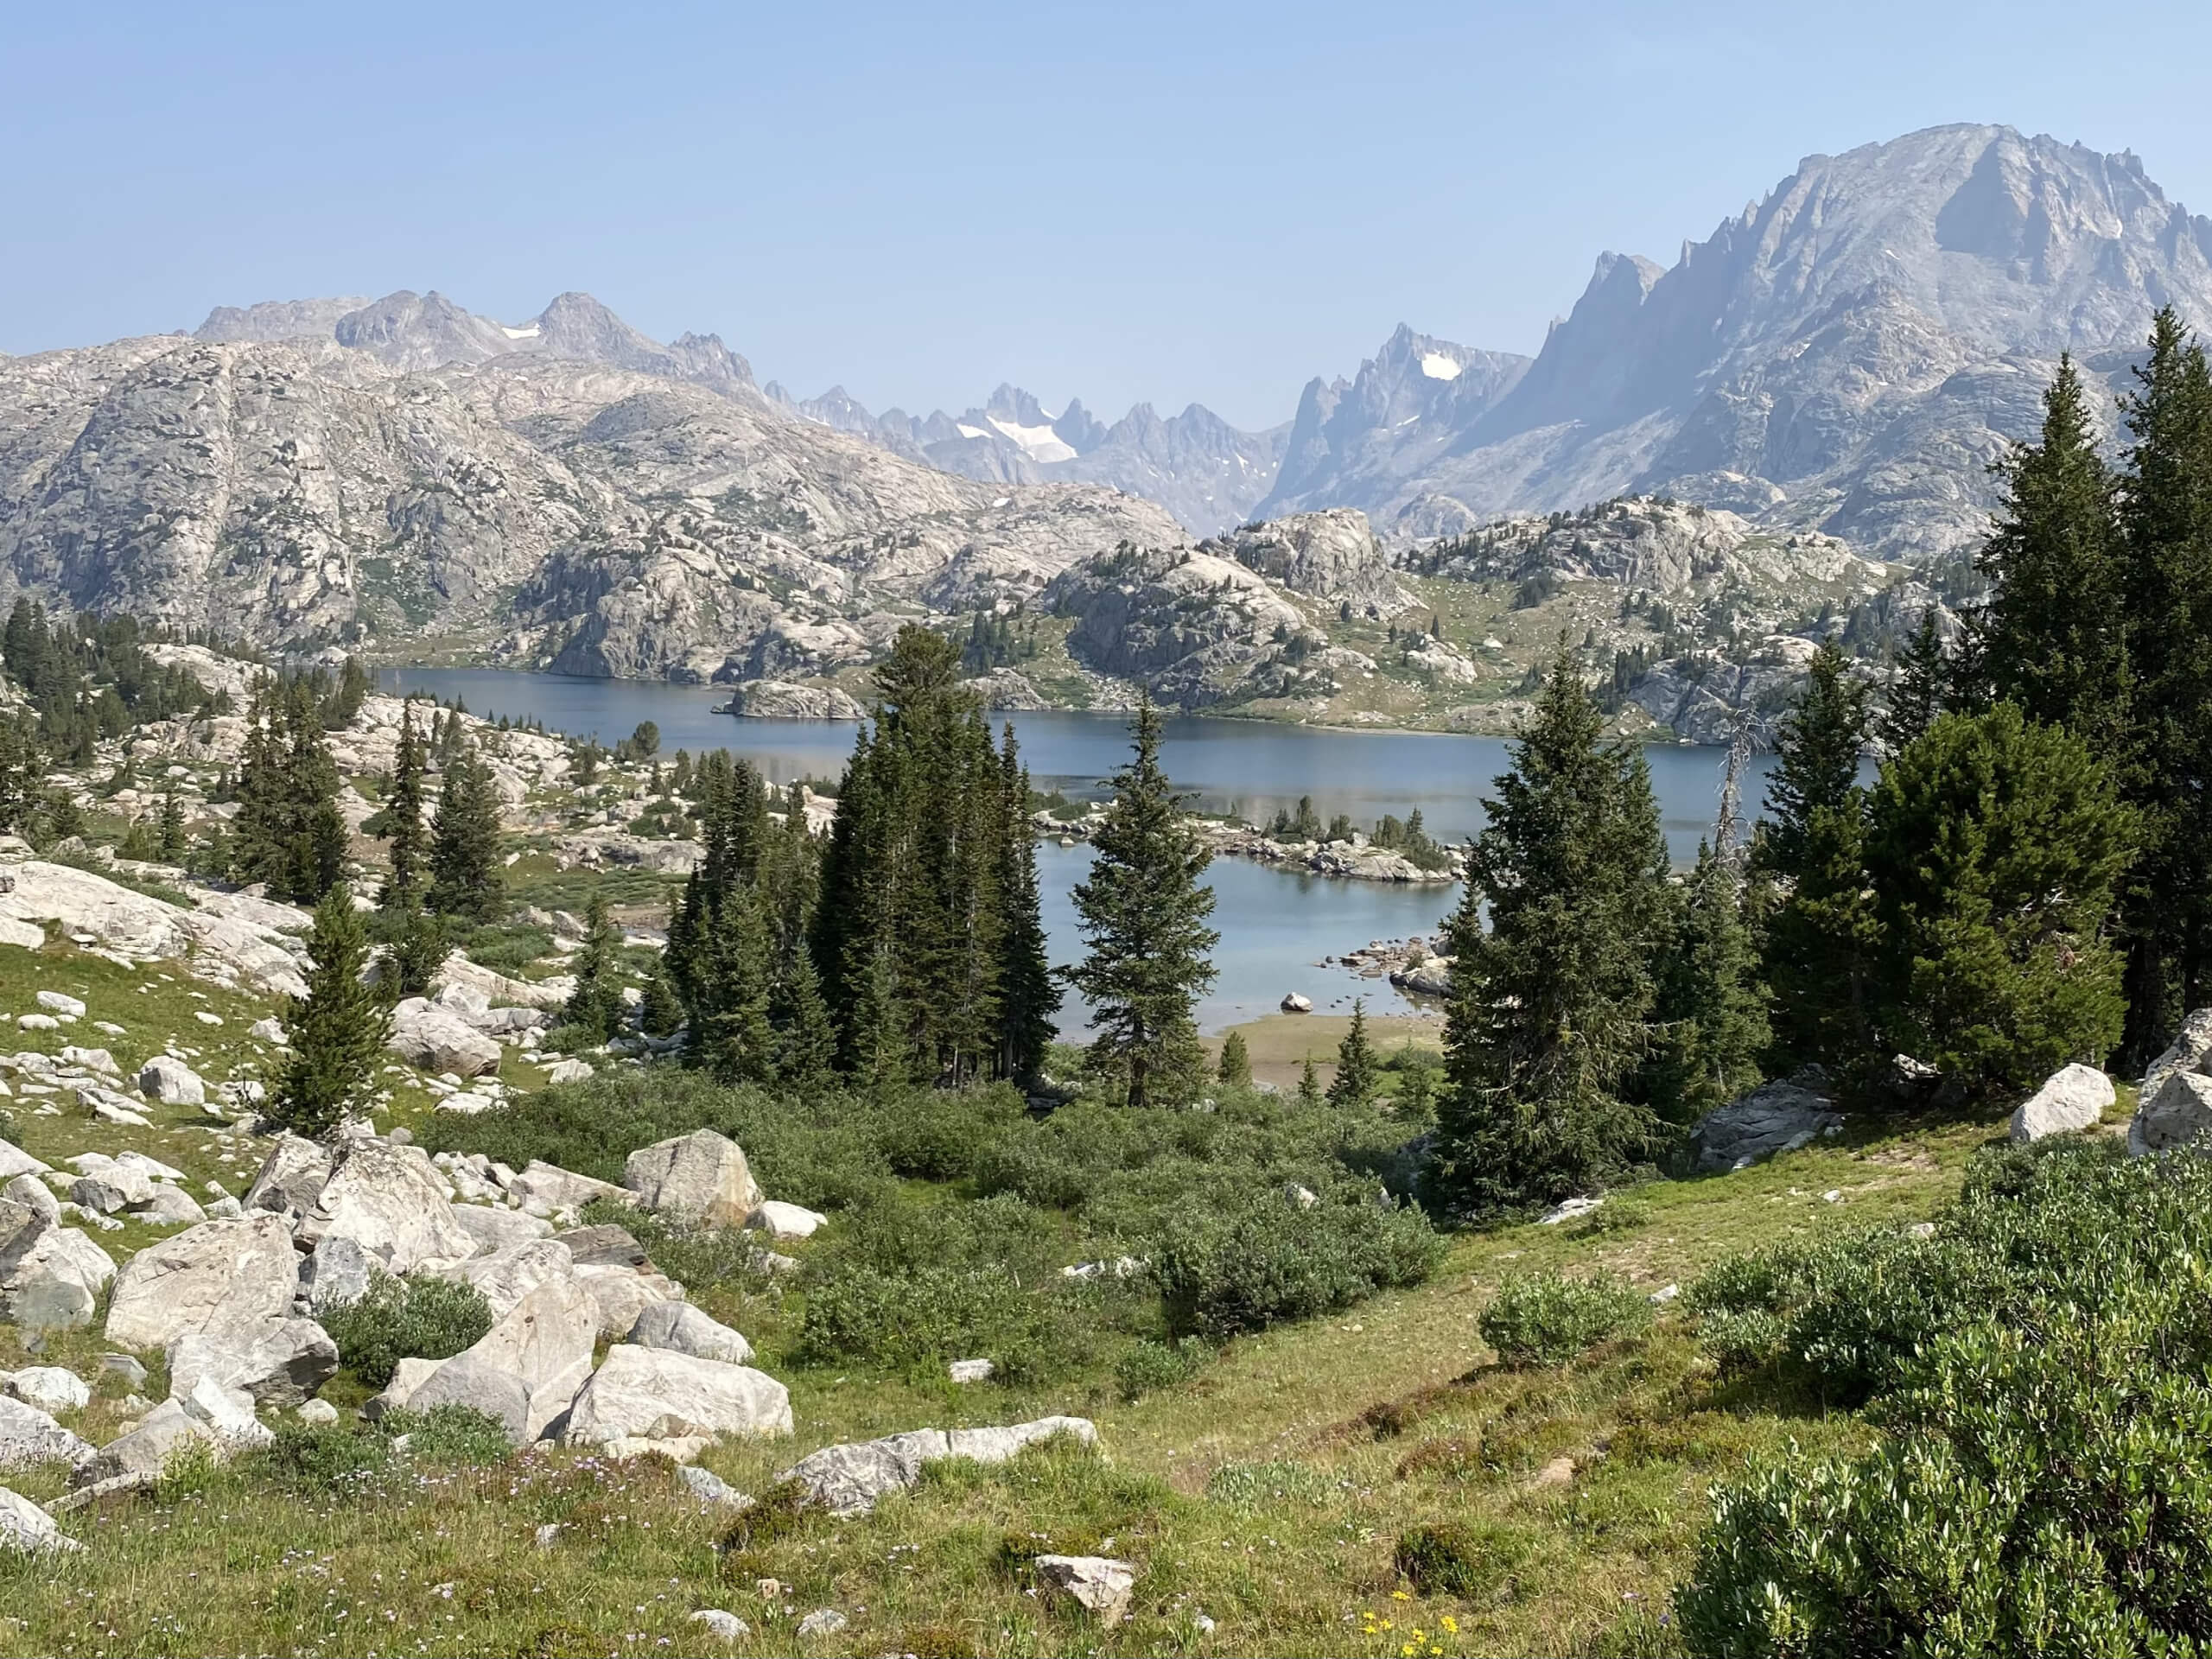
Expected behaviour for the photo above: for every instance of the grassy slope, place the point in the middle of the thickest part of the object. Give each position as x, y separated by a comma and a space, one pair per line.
1266, 1493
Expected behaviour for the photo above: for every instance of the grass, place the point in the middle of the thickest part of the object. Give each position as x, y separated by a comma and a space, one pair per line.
1270, 1490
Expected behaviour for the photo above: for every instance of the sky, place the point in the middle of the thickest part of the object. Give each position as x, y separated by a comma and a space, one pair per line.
1168, 203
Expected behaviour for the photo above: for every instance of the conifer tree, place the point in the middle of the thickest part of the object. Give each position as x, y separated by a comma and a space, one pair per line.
170, 844
1994, 846
2054, 629
1235, 1067
1142, 914
1309, 1085
1552, 989
596, 1003
402, 816
1029, 998
805, 1036
337, 1030
418, 950
1711, 1013
659, 1012
731, 1033
1921, 689
464, 867
22, 769
1820, 938
288, 833
1356, 1067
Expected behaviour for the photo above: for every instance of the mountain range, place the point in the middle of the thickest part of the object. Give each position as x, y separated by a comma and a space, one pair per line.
1836, 366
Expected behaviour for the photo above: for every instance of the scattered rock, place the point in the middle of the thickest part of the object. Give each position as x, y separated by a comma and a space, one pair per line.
710, 1488
823, 1621
173, 1082
603, 1246
848, 1479
108, 1186
50, 1388
1100, 1586
2175, 1115
60, 1002
971, 1370
436, 1039
1294, 1003
495, 1228
657, 1395
219, 1277
2072, 1098
31, 1435
391, 1201
571, 1070
682, 1329
268, 1030
781, 1220
702, 1176
317, 1414
290, 1177
170, 1206
281, 1365
334, 1272
547, 1189
27, 1529
1779, 1117
727, 1626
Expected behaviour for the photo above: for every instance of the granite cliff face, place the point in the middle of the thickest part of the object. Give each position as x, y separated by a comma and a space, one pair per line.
1845, 356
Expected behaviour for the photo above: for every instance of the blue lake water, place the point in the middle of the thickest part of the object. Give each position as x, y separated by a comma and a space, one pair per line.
1275, 926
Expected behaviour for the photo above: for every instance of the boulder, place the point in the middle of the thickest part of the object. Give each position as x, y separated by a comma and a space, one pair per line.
821, 1622
702, 1176
226, 1412
465, 1380
392, 1202
220, 1277
544, 1343
1294, 1003
2191, 1050
281, 1365
317, 1414
997, 1445
567, 1071
60, 1002
1101, 1587
781, 1220
496, 1228
92, 1060
710, 1488
719, 1621
2175, 1115
655, 1394
26, 1529
969, 1370
334, 1272
14, 1161
108, 1186
291, 1177
622, 1295
31, 1435
268, 1030
2072, 1098
51, 1280
33, 1194
547, 1189
435, 1040
50, 1388
141, 1453
173, 1082
170, 1206
684, 1329
1778, 1117
849, 1479
409, 1375
603, 1246
507, 1275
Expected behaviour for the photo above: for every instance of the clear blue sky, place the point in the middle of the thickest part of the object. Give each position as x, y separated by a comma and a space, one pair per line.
1124, 201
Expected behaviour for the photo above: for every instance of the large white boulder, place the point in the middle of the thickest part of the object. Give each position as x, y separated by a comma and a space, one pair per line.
684, 1329
170, 1080
438, 1040
544, 1189
51, 1277
1777, 1117
29, 1435
542, 1344
391, 1201
622, 1295
2072, 1098
2191, 1050
642, 1394
282, 1363
848, 1479
507, 1275
223, 1277
50, 1388
702, 1176
290, 1177
26, 1529
496, 1228
2174, 1116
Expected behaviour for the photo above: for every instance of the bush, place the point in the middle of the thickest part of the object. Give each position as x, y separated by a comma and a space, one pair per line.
1614, 1215
1149, 1365
451, 1435
319, 1457
405, 1318
1226, 1272
1451, 1559
2046, 1490
698, 1257
1253, 1486
1545, 1319
917, 1318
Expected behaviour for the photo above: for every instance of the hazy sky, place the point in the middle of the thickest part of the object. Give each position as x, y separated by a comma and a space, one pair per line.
1121, 201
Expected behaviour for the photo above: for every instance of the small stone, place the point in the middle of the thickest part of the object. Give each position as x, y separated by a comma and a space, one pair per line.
205, 1018
710, 1488
971, 1370
1560, 1472
1101, 1586
50, 1389
547, 1535
126, 1366
317, 1412
60, 1002
28, 1529
728, 1626
823, 1621
1294, 1003
36, 1022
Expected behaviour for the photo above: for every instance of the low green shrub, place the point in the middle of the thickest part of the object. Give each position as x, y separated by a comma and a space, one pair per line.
1614, 1215
1456, 1559
451, 1435
916, 1319
698, 1257
508, 948
1253, 1486
305, 1457
1149, 1365
1547, 1319
405, 1318
1224, 1272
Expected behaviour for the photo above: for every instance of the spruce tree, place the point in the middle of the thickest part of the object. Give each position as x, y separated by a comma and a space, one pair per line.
2053, 630
1029, 997
337, 1030
1921, 689
731, 1033
1819, 937
1994, 847
805, 1038
288, 832
1142, 914
595, 1005
417, 951
1356, 1067
1552, 989
464, 866
170, 845
659, 1012
1712, 1009
1309, 1085
1235, 1067
402, 817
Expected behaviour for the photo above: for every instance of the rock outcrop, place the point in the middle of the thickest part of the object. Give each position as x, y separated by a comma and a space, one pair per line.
1778, 1117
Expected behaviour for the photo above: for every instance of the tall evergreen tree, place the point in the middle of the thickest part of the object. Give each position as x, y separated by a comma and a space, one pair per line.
337, 1030
1552, 991
1920, 690
1309, 1085
2054, 628
402, 817
1029, 997
1819, 937
1356, 1067
169, 846
1994, 847
1711, 1013
2166, 523
1142, 912
464, 867
1235, 1067
288, 833
22, 769
596, 1003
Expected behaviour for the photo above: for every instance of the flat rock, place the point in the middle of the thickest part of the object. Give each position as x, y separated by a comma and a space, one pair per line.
1102, 1586
494, 1228
684, 1329
282, 1364
702, 1176
50, 1388
781, 1220
27, 1529
2071, 1099
1778, 1117
219, 1277
603, 1246
655, 1393
549, 1190
31, 1435
848, 1479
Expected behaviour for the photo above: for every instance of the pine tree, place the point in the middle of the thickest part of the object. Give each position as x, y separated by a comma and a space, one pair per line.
464, 866
659, 1012
1355, 1068
170, 845
1921, 689
1819, 939
1711, 1011
418, 951
1309, 1085
1235, 1068
731, 1033
1552, 990
402, 816
2053, 632
805, 1036
1029, 997
288, 833
1994, 846
337, 1030
2166, 525
596, 1003
22, 768
1142, 914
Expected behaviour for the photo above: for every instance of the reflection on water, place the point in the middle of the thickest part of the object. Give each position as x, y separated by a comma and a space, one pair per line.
1274, 926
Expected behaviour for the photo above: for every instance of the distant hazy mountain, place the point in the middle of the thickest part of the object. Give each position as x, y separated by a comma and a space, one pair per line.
1846, 355
1204, 471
